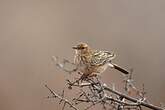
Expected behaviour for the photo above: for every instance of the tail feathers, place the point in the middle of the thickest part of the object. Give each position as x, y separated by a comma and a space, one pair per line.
120, 69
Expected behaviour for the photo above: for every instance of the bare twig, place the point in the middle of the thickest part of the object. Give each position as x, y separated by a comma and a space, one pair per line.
151, 106
93, 91
63, 63
61, 98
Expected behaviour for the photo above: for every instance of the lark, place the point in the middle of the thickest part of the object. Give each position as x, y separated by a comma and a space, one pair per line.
91, 62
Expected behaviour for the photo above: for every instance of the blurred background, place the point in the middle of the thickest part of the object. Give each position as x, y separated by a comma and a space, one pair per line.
31, 31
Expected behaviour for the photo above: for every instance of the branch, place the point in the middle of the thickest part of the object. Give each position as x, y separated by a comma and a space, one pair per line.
93, 91
136, 101
55, 95
151, 106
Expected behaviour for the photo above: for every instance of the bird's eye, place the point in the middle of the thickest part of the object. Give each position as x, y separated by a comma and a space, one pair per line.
82, 47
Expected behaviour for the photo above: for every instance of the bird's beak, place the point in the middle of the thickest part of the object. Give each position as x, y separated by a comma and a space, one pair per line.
74, 47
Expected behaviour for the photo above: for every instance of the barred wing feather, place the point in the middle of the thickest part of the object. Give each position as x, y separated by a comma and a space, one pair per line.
101, 57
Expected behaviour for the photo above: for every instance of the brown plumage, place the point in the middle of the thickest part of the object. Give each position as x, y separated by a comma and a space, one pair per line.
91, 61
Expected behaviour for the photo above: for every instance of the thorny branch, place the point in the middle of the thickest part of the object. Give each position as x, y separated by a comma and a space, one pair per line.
62, 99
93, 92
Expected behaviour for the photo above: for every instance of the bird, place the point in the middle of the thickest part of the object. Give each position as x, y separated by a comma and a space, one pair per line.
91, 62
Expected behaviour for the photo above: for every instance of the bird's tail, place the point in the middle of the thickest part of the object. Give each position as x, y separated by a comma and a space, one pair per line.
119, 68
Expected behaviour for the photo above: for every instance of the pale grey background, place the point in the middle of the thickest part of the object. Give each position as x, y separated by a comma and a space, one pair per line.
31, 31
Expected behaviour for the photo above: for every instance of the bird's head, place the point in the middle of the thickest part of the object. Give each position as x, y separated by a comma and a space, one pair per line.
82, 48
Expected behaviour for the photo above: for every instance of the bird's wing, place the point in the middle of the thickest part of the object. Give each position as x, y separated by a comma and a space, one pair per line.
101, 57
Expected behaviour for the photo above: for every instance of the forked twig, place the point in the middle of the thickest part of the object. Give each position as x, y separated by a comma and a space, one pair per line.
93, 91
55, 95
